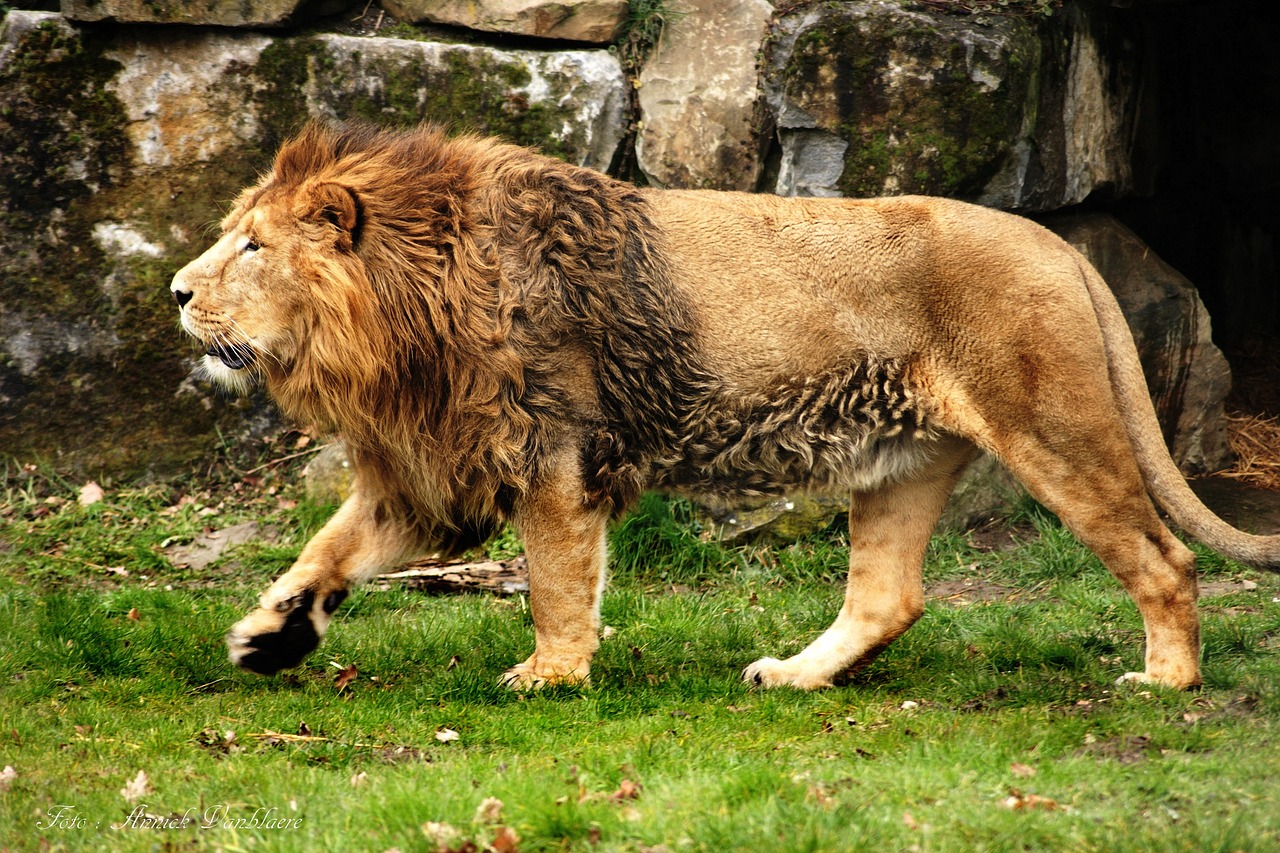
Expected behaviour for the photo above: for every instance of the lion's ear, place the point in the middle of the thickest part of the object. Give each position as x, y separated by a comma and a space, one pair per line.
334, 204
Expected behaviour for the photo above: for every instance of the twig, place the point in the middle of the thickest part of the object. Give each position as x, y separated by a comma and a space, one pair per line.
275, 462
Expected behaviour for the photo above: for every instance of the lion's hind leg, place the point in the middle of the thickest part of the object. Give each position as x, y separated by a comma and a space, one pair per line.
1090, 480
295, 611
889, 530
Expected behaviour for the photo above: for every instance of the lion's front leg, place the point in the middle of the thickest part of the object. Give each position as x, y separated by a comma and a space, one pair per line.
565, 544
295, 610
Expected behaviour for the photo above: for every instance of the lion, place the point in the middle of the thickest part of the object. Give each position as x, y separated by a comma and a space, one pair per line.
500, 336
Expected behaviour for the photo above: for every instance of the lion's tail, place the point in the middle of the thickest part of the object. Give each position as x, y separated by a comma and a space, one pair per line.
1164, 480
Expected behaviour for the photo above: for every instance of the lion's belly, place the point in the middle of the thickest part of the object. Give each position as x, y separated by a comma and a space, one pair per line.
828, 467
848, 428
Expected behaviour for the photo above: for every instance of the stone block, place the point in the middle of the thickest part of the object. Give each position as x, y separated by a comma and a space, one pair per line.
593, 21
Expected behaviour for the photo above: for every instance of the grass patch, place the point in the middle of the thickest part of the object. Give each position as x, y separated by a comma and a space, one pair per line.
991, 725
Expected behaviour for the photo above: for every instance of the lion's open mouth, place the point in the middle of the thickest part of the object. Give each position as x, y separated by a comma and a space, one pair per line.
234, 356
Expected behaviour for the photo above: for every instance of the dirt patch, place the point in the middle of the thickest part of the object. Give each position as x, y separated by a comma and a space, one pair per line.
1001, 537
1124, 749
965, 591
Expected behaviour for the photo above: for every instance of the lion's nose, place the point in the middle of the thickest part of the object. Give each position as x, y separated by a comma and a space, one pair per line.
183, 296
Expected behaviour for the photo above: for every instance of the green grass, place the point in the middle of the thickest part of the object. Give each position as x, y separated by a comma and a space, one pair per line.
980, 707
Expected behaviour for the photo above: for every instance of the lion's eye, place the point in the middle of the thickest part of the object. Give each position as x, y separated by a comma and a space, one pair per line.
252, 245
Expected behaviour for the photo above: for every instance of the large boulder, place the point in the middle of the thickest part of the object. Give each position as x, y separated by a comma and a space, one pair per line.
121, 147
243, 13
699, 103
875, 98
594, 21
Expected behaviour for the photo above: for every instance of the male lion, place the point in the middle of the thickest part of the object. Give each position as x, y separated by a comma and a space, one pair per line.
498, 335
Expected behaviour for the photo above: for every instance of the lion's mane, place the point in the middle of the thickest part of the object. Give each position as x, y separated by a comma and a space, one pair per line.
432, 342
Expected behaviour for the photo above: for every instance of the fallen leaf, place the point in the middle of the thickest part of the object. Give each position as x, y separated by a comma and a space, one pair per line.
627, 790
345, 677
90, 494
505, 840
359, 779
83, 731
447, 735
909, 821
1029, 802
303, 729
489, 811
134, 615
7, 775
136, 788
443, 836
1026, 771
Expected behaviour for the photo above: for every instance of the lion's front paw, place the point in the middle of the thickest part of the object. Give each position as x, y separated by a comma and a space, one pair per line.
529, 676
280, 636
1178, 681
771, 672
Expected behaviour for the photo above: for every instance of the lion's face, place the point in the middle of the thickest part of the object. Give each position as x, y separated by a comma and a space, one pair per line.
254, 297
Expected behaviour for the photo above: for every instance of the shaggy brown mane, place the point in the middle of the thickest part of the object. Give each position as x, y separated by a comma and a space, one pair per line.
428, 342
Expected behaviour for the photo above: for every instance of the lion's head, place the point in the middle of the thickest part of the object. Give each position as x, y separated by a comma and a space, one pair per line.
280, 279
357, 282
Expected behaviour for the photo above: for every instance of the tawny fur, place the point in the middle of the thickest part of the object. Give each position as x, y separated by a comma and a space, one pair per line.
498, 335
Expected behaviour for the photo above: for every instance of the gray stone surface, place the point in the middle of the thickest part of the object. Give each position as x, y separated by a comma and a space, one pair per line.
595, 21
219, 13
1002, 110
328, 477
698, 98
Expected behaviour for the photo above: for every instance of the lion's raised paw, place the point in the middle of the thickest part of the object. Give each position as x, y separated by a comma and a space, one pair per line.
271, 639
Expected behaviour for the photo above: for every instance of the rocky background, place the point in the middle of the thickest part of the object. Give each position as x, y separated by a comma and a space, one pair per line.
127, 125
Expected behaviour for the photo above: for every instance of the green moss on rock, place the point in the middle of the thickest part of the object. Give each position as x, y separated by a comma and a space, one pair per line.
899, 88
62, 131
464, 88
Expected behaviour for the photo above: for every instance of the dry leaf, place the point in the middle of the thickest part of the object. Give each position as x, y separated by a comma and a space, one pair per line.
90, 494
441, 836
1029, 802
136, 788
909, 821
359, 779
627, 790
489, 811
345, 677
1026, 771
7, 775
505, 841
134, 615
447, 735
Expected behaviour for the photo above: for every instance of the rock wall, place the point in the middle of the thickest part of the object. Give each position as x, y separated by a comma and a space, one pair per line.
122, 143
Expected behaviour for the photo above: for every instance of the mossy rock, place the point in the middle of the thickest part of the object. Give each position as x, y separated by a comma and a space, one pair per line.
927, 103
